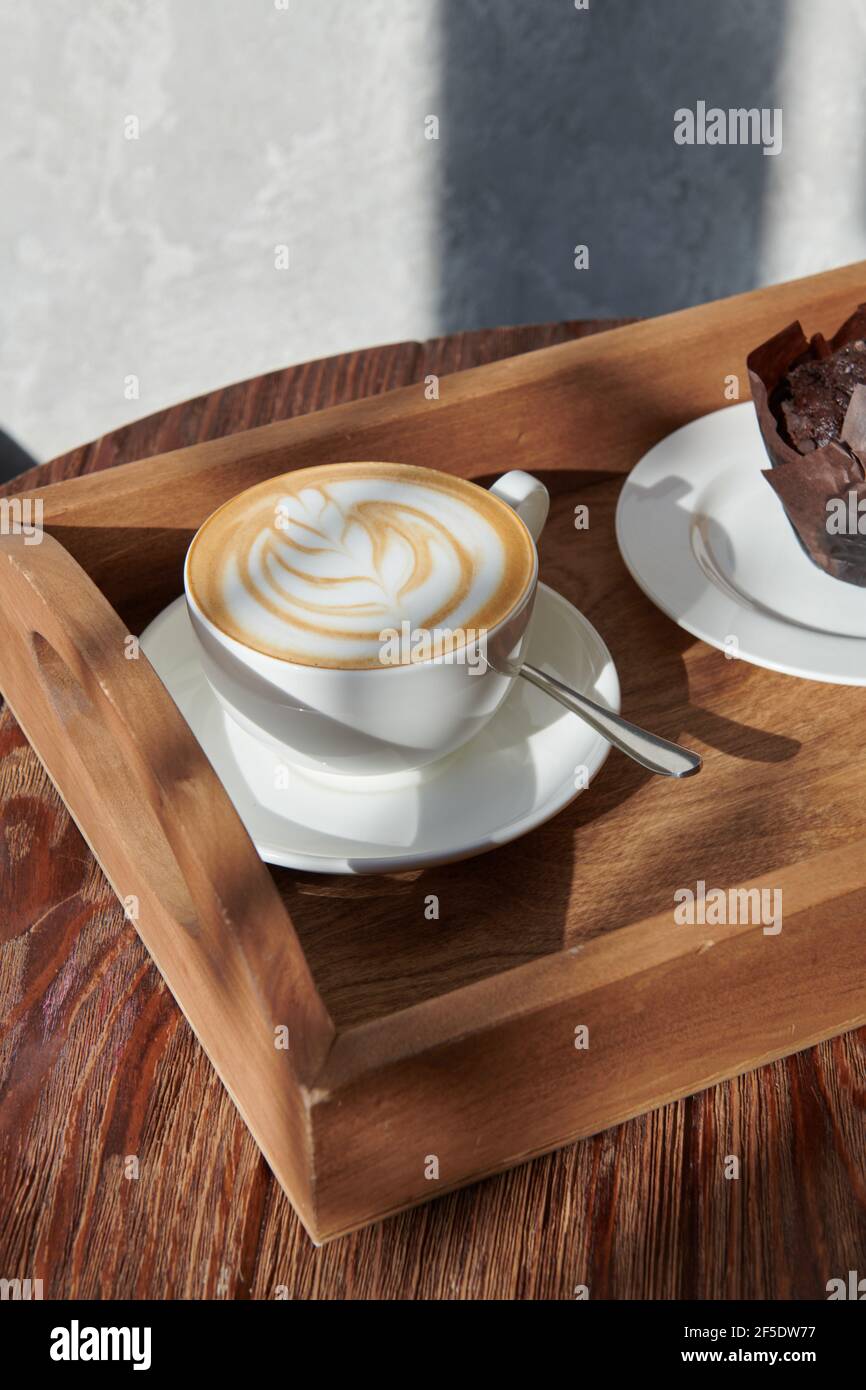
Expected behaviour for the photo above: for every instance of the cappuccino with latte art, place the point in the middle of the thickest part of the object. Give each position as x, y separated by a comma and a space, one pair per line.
321, 566
300, 587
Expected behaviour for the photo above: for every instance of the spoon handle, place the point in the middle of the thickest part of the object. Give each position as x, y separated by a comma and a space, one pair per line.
654, 753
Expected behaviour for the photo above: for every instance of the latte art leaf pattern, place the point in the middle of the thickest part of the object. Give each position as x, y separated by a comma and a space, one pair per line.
345, 567
316, 566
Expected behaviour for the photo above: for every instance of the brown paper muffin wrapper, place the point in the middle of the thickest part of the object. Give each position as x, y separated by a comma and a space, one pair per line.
806, 483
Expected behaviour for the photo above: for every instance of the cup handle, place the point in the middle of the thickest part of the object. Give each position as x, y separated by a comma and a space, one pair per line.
526, 496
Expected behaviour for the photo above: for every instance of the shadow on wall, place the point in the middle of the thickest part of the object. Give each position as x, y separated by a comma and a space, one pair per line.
556, 129
14, 459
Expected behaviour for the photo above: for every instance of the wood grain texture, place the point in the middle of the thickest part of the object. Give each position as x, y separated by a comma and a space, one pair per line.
641, 1210
155, 815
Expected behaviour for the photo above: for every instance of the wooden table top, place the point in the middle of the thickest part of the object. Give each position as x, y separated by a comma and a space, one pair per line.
126, 1171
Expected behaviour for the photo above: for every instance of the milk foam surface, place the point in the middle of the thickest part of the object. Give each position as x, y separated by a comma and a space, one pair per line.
317, 565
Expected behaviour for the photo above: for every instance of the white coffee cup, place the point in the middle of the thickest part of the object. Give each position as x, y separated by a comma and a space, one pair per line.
380, 721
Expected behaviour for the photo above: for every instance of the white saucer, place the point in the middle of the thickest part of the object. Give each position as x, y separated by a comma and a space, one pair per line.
522, 768
708, 541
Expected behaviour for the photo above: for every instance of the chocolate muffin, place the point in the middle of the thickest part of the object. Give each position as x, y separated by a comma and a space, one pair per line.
820, 394
810, 398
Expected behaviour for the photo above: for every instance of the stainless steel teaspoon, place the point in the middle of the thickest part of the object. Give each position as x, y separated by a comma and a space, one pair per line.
654, 753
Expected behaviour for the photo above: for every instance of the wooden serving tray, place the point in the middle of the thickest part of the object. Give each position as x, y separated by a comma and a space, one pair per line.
454, 1038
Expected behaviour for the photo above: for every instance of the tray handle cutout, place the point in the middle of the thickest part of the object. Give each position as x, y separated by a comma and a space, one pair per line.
159, 821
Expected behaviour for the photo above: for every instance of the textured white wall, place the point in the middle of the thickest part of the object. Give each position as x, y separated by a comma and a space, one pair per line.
262, 126
155, 257
816, 195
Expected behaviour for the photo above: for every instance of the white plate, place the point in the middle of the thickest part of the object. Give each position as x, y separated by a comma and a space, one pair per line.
706, 538
522, 768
